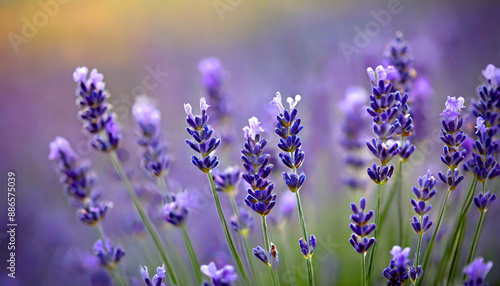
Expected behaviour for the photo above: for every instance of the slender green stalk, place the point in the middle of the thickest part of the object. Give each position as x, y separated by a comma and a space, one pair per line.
477, 234
162, 184
284, 244
378, 222
400, 196
192, 254
267, 238
147, 222
476, 238
363, 267
452, 242
243, 237
230, 242
310, 273
430, 246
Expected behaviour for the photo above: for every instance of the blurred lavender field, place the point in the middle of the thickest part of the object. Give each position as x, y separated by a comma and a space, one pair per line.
294, 47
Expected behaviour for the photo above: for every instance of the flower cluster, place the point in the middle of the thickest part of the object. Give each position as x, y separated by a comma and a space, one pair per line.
219, 277
175, 212
203, 143
483, 201
271, 259
488, 104
157, 278
483, 164
476, 272
107, 253
424, 192
147, 117
78, 181
242, 224
257, 169
213, 78
399, 55
352, 129
385, 106
399, 269
288, 128
452, 137
228, 180
361, 227
95, 112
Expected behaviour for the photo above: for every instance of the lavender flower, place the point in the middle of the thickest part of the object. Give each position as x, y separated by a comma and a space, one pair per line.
176, 211
476, 272
482, 202
361, 227
424, 192
271, 259
228, 180
203, 143
399, 55
306, 248
488, 104
483, 164
95, 112
219, 277
213, 79
108, 254
147, 117
452, 137
257, 169
398, 271
242, 224
93, 212
157, 278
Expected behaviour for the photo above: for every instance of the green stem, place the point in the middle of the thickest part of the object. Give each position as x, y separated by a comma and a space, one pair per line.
245, 240
230, 242
192, 254
267, 238
430, 246
476, 238
453, 241
147, 222
378, 222
162, 184
363, 267
310, 272
400, 196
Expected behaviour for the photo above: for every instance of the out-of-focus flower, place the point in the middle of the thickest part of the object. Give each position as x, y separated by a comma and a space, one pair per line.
398, 271
108, 254
242, 224
476, 272
220, 277
157, 278
228, 180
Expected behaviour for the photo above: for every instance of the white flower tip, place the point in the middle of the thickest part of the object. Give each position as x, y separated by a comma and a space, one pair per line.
203, 104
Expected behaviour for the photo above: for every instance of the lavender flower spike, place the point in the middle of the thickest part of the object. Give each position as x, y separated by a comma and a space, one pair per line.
219, 277
95, 112
482, 202
476, 272
361, 227
157, 278
108, 254
148, 117
398, 271
203, 143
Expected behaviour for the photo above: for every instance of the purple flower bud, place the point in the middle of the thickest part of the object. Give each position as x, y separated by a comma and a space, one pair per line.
253, 129
452, 109
220, 277
400, 256
80, 74
482, 202
108, 254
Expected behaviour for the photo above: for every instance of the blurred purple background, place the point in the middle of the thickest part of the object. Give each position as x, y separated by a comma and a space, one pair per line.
287, 46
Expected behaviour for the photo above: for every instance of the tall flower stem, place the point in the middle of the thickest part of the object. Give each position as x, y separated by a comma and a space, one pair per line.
363, 267
400, 196
162, 184
147, 222
377, 230
267, 238
246, 250
226, 230
192, 255
309, 266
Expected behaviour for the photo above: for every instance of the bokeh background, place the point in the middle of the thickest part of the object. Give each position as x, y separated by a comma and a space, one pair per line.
266, 46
